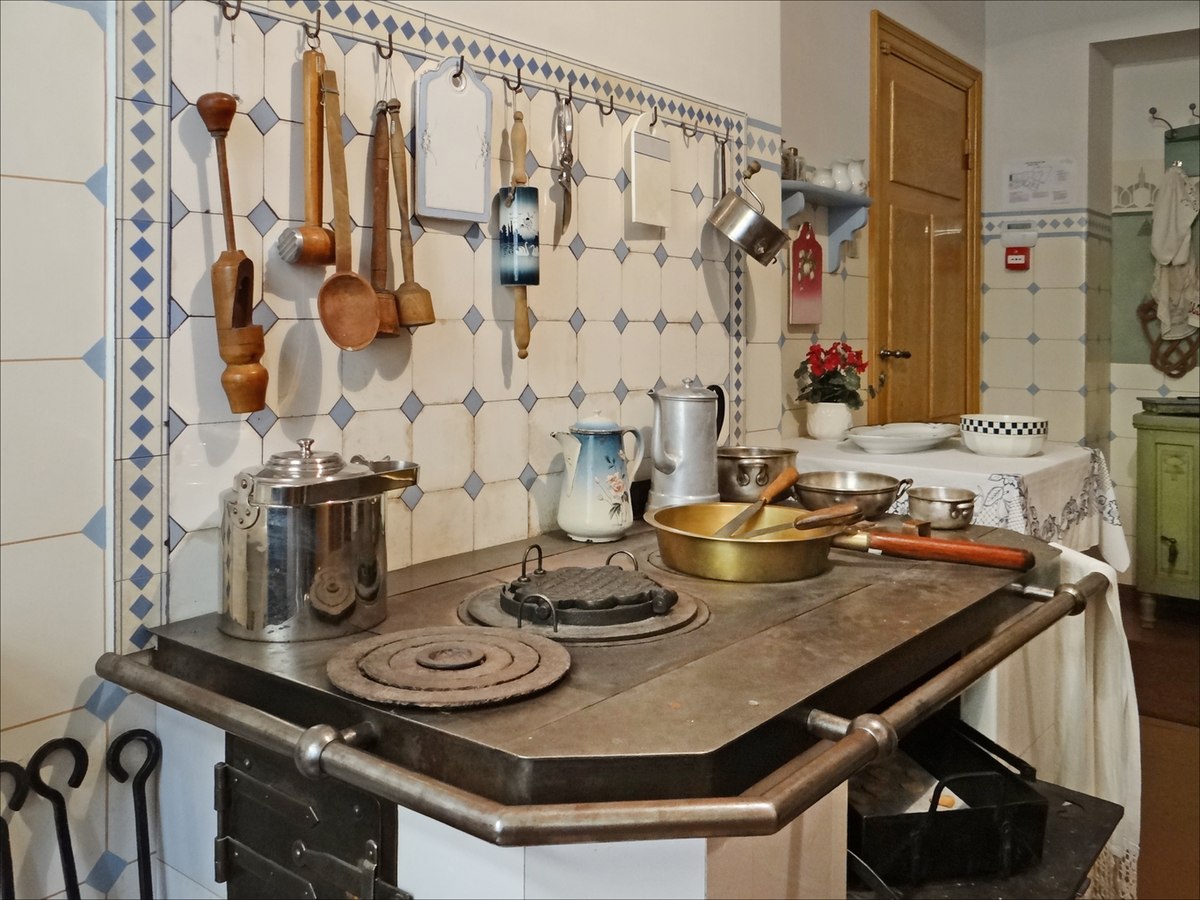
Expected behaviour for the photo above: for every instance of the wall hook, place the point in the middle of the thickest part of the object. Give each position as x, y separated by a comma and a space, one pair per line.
462, 62
236, 6
688, 130
1192, 109
20, 783
314, 34
517, 88
390, 50
654, 120
1154, 115
570, 93
603, 111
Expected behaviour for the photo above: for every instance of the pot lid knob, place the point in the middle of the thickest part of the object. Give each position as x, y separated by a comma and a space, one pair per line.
689, 390
303, 463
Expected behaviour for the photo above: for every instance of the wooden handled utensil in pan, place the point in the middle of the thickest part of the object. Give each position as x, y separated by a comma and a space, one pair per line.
346, 302
782, 482
239, 341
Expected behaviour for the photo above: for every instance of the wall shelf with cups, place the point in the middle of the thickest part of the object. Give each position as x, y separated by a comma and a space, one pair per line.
847, 213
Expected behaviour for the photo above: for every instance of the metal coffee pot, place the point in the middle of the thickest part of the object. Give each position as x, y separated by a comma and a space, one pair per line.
594, 504
683, 446
303, 549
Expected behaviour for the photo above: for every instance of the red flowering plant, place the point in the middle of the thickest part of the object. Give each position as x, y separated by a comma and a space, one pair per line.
833, 375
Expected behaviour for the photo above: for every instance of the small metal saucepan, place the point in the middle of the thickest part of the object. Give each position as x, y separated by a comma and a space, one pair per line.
942, 507
872, 492
746, 226
742, 472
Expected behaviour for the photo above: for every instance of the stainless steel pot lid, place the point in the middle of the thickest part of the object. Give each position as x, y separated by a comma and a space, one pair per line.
304, 463
686, 391
305, 477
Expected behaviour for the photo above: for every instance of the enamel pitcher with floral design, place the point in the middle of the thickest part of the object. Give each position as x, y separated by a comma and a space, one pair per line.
594, 504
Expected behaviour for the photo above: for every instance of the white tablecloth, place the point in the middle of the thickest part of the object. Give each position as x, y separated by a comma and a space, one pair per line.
1063, 494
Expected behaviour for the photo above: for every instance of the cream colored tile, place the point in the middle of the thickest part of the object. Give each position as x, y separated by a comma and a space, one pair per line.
448, 273
398, 519
501, 514
547, 417
206, 55
37, 650
444, 446
683, 235
712, 291
380, 375
377, 434
764, 303
194, 175
671, 868
558, 295
1008, 313
599, 286
601, 146
599, 363
714, 246
33, 79
1007, 401
764, 397
598, 206
492, 299
496, 355
1058, 365
640, 348
443, 523
135, 711
40, 447
38, 867
1058, 262
1122, 463
1059, 313
196, 243
857, 307
283, 179
501, 441
61, 313
1123, 406
552, 359
204, 460
1007, 363
189, 821
641, 287
679, 278
289, 290
833, 314
712, 354
637, 411
678, 353
1135, 377
1188, 384
1065, 412
442, 362
543, 503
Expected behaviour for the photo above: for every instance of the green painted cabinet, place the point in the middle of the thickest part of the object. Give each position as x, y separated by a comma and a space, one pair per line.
1168, 508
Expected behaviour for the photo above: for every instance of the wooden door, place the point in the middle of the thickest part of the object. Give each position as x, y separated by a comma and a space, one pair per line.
924, 227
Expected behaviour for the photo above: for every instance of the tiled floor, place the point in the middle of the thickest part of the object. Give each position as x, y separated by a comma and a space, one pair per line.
1169, 866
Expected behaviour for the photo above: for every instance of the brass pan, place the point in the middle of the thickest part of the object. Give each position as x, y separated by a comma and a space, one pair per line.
686, 542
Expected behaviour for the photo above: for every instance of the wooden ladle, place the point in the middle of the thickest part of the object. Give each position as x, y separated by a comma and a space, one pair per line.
389, 321
415, 302
239, 341
346, 302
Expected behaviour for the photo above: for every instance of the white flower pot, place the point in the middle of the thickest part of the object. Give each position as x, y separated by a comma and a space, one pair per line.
828, 421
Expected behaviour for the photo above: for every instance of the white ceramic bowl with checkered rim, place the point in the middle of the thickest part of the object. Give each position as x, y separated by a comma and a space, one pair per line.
996, 434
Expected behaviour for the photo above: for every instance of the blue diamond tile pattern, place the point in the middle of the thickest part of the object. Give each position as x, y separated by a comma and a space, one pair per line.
528, 398
178, 102
620, 390
263, 116
528, 477
348, 132
412, 495
105, 699
577, 172
175, 426
621, 321
141, 248
178, 211
660, 321
697, 195
263, 218
96, 358
141, 606
473, 402
473, 485
1034, 288
1033, 338
97, 184
144, 12
983, 386
474, 237
577, 395
473, 319
342, 412
984, 337
660, 253
622, 181
1163, 390
1033, 389
141, 517
263, 420
95, 529
577, 246
621, 250
175, 534
141, 637
411, 407
531, 164
576, 321
141, 487
142, 161
264, 316
141, 577
697, 322
175, 316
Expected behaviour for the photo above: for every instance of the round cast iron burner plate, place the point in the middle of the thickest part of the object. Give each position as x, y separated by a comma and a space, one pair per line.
484, 608
448, 666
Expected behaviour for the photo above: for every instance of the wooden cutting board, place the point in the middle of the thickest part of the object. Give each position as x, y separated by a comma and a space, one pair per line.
452, 144
649, 161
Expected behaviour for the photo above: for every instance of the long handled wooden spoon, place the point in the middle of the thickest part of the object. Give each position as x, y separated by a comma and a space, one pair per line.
346, 302
239, 341
415, 302
389, 321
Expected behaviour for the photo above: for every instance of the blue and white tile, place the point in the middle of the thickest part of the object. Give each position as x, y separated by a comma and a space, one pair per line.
679, 289
209, 53
283, 179
678, 353
1007, 363
641, 349
641, 287
1006, 401
1065, 412
496, 353
38, 869
857, 308
283, 53
304, 369
443, 356
637, 411
683, 235
143, 45
560, 290
398, 523
764, 395
61, 52
1058, 262
142, 185
379, 376
447, 270
600, 211
599, 364
286, 434
33, 618
378, 434
1008, 313
501, 441
63, 314
501, 513
547, 417
194, 176
443, 519
553, 351
40, 448
712, 291
543, 503
1058, 365
443, 444
196, 243
204, 460
139, 520
142, 402
712, 354
142, 279
141, 606
194, 583
599, 286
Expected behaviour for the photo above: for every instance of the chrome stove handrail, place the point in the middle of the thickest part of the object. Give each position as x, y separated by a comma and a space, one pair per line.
763, 808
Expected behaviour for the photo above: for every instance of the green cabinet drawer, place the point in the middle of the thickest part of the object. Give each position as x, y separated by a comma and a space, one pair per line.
1168, 505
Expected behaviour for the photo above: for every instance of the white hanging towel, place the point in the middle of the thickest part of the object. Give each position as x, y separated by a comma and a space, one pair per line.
1176, 275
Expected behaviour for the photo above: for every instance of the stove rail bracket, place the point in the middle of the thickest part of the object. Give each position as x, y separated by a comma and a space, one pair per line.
845, 747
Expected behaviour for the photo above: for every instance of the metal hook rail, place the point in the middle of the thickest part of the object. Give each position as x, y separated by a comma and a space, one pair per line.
1171, 129
844, 747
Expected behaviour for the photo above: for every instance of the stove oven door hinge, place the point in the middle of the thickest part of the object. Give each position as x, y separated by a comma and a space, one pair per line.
359, 878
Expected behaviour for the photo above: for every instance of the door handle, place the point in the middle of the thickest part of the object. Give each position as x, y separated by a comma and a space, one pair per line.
885, 353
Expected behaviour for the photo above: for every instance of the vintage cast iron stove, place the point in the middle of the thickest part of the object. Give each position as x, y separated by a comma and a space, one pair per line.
594, 605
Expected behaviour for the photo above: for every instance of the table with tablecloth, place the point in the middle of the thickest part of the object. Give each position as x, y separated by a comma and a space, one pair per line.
1062, 494
1065, 702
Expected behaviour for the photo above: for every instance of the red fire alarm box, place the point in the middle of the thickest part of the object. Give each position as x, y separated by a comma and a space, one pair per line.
1019, 239
1016, 257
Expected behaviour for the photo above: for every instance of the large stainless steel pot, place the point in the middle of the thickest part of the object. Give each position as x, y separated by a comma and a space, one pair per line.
303, 549
686, 543
742, 472
746, 226
871, 492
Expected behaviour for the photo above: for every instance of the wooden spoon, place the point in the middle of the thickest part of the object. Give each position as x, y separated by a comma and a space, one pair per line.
389, 321
414, 301
346, 302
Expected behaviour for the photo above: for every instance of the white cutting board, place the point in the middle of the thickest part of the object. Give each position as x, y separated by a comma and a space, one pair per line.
453, 155
649, 159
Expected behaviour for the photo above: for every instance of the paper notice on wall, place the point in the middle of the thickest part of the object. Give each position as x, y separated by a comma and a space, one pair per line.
1040, 184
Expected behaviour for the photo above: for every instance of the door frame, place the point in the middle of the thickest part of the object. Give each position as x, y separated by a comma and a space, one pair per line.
890, 37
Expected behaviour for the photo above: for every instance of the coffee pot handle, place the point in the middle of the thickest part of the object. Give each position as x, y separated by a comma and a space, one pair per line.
639, 450
720, 392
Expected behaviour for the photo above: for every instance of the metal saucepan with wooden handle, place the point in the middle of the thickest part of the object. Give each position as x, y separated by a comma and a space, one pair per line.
687, 542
